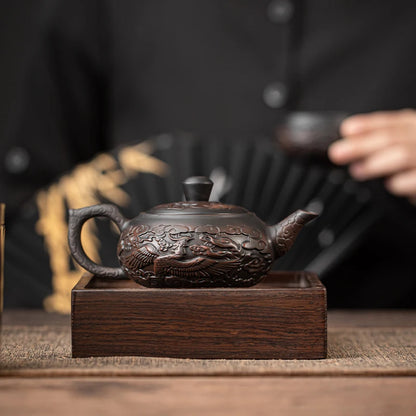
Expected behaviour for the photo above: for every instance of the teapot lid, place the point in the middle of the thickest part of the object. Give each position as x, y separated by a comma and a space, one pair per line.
197, 190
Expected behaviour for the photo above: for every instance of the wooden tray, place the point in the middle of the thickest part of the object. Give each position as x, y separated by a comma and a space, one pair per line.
282, 317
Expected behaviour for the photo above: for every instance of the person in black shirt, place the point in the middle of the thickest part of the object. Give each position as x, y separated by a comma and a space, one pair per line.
108, 73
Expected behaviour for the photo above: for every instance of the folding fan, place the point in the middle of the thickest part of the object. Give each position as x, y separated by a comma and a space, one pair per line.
266, 180
254, 174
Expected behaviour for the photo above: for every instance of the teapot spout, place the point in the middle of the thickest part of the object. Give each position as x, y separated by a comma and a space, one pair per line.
285, 232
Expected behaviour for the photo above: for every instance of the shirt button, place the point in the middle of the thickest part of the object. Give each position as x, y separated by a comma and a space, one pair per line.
280, 11
275, 95
16, 160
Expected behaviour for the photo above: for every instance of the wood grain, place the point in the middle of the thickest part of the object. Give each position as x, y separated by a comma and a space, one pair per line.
284, 317
337, 318
178, 396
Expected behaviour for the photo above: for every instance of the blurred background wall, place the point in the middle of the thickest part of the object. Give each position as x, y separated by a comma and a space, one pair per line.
19, 27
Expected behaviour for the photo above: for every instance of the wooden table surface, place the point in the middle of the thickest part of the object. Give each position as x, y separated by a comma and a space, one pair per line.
338, 394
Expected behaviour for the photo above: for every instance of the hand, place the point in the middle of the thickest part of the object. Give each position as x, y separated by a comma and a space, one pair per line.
380, 144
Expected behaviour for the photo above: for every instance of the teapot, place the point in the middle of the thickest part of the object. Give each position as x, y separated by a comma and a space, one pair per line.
192, 243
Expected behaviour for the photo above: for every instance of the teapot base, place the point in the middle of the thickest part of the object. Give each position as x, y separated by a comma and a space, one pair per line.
148, 279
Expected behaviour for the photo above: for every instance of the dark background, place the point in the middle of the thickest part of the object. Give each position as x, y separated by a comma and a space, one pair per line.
19, 28
20, 24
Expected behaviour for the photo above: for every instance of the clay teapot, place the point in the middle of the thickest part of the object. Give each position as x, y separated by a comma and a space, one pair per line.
194, 243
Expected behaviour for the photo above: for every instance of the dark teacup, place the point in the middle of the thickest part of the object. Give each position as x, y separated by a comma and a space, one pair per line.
309, 133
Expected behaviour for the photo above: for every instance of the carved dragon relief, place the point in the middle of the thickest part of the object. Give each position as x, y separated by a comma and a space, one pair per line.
200, 256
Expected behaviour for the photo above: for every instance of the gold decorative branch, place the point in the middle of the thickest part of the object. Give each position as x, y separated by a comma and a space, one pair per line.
87, 184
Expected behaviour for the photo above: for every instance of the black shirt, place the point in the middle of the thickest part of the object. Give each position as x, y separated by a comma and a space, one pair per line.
108, 73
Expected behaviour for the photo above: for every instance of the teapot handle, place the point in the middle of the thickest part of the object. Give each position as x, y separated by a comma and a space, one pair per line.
77, 218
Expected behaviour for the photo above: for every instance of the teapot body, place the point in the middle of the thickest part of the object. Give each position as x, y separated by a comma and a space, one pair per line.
193, 243
173, 251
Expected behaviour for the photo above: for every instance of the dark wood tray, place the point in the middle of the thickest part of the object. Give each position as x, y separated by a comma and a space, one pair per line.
282, 317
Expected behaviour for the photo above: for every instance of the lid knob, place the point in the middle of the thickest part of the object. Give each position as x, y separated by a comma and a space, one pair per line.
197, 188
